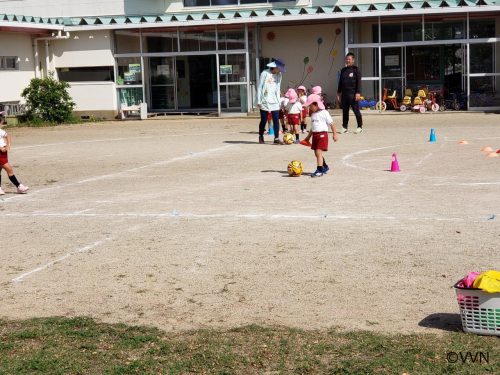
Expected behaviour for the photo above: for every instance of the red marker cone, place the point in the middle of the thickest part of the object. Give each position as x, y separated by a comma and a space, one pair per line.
394, 164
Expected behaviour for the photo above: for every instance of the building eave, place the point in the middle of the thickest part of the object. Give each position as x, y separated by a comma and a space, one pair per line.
260, 15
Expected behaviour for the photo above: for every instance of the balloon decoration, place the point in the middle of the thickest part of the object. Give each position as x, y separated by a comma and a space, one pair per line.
309, 68
333, 51
319, 41
306, 71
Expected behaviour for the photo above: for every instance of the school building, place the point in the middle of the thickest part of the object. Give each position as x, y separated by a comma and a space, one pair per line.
206, 55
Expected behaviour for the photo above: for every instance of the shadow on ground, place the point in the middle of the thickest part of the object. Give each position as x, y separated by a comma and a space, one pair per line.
444, 321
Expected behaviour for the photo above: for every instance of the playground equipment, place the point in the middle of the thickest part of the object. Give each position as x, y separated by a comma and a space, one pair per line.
388, 101
419, 104
406, 104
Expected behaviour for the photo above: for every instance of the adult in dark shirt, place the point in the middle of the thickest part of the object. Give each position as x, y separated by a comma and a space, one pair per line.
348, 93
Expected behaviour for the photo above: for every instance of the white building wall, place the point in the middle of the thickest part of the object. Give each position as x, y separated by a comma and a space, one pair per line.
88, 48
93, 96
14, 81
76, 8
83, 49
294, 43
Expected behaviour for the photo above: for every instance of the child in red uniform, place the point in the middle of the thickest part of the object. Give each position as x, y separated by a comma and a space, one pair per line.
302, 94
4, 164
320, 120
293, 110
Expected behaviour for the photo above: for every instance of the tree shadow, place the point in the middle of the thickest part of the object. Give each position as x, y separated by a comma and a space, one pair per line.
444, 321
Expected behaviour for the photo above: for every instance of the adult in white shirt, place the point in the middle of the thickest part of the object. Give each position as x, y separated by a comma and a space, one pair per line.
268, 98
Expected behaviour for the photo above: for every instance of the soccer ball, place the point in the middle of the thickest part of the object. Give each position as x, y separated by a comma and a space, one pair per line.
295, 168
288, 138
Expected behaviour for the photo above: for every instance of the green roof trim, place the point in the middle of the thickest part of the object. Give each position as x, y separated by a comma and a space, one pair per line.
175, 19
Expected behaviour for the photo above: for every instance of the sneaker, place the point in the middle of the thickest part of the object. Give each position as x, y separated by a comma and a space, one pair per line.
278, 141
21, 189
2, 192
317, 174
358, 130
342, 131
326, 169
297, 141
261, 139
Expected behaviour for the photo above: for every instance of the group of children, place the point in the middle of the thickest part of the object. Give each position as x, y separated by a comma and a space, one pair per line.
4, 164
296, 106
292, 111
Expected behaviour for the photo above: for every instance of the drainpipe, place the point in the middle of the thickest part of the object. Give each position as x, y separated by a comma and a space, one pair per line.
46, 39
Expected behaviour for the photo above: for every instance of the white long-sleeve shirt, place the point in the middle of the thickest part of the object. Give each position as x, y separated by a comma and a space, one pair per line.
268, 91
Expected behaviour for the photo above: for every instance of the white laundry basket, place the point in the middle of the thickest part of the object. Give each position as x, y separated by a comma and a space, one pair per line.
480, 311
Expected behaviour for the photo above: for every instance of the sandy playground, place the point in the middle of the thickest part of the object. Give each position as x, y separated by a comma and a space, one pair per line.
184, 223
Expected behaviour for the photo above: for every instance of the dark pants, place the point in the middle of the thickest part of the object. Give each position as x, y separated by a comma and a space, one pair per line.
263, 122
348, 101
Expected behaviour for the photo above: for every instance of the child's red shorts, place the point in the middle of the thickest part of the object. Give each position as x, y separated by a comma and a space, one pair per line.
4, 159
305, 112
320, 141
293, 119
269, 116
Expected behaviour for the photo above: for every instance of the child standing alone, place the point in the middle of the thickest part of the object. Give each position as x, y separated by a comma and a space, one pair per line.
320, 120
4, 164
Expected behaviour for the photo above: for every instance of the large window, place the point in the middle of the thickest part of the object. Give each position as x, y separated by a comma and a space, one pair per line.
231, 38
127, 41
481, 28
86, 74
438, 29
197, 39
129, 71
160, 41
9, 63
423, 63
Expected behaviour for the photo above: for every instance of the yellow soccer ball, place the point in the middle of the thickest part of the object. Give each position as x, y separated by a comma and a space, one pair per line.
288, 138
295, 168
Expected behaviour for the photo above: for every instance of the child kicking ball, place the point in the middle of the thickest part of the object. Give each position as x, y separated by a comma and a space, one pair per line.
320, 121
4, 164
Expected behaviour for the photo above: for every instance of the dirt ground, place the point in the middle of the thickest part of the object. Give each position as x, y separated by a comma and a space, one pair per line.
185, 223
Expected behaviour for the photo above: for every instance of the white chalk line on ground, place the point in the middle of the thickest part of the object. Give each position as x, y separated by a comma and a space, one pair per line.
128, 171
346, 160
116, 140
468, 183
250, 216
419, 163
80, 250
55, 261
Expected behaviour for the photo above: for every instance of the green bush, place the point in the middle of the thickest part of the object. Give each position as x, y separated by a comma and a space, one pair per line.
47, 100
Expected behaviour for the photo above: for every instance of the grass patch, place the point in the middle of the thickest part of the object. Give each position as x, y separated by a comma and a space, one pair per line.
84, 346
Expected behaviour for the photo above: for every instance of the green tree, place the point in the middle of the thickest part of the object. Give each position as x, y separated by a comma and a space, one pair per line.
48, 100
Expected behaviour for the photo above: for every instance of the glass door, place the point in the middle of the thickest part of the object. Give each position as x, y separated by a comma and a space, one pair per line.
233, 82
162, 83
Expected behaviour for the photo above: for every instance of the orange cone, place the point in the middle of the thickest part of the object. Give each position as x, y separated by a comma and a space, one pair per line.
487, 149
463, 142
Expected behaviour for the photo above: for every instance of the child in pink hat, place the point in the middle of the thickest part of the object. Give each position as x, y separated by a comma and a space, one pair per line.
302, 94
294, 110
316, 90
320, 121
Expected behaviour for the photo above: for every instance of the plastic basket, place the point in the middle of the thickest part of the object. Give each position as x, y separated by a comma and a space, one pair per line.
480, 311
